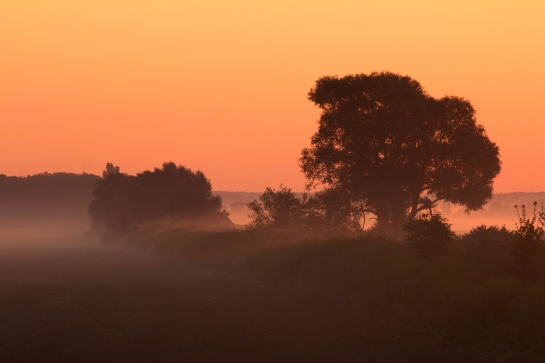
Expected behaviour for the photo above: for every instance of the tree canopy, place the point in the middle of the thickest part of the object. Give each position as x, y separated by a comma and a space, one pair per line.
280, 209
326, 212
123, 203
48, 199
393, 150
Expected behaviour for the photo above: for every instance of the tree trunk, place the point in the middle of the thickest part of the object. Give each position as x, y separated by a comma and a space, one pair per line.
383, 221
390, 220
398, 220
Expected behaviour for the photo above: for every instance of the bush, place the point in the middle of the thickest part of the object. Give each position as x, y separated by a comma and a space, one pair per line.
428, 235
279, 209
491, 236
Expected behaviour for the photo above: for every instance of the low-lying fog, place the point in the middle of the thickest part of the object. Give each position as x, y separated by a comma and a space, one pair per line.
43, 256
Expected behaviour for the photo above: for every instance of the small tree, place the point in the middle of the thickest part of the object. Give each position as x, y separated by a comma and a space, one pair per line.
429, 235
276, 208
110, 170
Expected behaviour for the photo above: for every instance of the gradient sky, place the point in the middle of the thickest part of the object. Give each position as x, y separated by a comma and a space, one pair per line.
221, 86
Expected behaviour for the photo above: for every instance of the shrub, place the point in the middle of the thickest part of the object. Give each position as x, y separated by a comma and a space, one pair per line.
428, 235
488, 236
280, 209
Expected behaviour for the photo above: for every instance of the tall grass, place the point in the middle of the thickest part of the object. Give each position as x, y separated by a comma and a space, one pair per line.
469, 295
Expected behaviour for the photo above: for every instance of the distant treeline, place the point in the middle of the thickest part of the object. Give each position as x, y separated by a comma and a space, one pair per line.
64, 198
45, 199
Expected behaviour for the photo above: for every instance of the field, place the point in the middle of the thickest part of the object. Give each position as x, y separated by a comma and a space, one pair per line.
237, 296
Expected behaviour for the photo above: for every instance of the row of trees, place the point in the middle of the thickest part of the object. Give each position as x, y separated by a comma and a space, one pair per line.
52, 186
45, 199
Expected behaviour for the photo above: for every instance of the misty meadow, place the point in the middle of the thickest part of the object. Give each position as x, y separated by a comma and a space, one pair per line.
387, 256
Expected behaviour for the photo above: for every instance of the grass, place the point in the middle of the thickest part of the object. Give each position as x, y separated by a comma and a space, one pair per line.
468, 295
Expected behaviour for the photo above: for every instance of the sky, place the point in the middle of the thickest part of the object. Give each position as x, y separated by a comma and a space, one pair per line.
222, 86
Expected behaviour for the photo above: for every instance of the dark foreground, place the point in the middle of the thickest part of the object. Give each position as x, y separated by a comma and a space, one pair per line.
84, 302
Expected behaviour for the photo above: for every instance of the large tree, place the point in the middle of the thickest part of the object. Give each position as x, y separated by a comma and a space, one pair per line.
395, 150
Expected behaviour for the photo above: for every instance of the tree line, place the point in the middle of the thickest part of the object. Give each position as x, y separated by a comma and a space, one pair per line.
385, 153
45, 198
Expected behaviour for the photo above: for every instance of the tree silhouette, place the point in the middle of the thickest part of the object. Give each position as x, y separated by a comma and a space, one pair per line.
48, 198
113, 208
122, 203
332, 211
387, 144
277, 209
176, 192
110, 170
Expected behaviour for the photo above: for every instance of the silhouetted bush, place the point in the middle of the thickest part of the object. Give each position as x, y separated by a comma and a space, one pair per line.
326, 213
428, 235
489, 236
279, 209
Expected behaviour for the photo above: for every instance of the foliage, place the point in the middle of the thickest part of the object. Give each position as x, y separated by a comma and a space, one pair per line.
175, 192
429, 235
47, 198
327, 212
528, 250
110, 170
488, 236
122, 203
280, 209
45, 185
113, 208
396, 150
333, 211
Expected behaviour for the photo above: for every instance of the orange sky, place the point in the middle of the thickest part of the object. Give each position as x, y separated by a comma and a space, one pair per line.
221, 86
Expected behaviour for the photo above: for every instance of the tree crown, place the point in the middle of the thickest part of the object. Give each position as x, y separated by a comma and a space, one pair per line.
396, 148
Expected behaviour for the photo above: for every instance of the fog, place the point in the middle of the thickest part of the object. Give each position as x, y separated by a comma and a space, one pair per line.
69, 295
41, 256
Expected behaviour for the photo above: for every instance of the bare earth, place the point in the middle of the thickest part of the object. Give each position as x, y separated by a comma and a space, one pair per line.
83, 302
